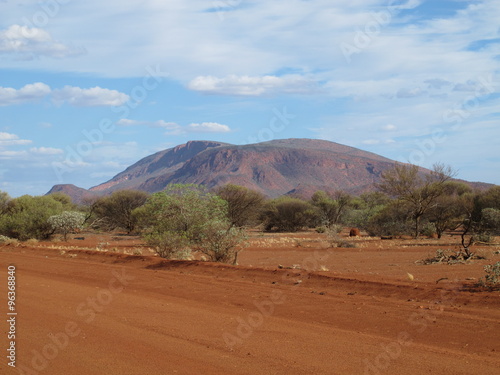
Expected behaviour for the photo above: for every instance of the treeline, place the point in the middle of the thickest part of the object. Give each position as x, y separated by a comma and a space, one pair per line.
186, 217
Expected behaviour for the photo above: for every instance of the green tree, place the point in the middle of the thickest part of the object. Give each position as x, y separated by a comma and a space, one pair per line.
66, 222
490, 220
288, 214
392, 219
447, 211
490, 198
244, 205
408, 184
331, 208
27, 217
115, 211
4, 202
364, 208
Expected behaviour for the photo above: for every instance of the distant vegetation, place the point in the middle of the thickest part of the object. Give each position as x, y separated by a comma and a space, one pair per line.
186, 218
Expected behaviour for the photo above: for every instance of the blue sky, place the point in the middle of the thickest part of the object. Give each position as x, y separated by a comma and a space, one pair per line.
87, 88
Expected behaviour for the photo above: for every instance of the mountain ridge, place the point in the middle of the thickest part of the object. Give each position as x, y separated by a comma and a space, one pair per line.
298, 166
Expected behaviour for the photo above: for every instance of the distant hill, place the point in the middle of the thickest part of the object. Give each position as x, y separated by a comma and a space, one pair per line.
290, 166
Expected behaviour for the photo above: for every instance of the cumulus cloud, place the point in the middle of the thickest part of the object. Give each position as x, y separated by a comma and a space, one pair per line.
76, 96
11, 154
209, 127
9, 139
150, 124
28, 43
28, 93
175, 129
46, 151
93, 97
253, 86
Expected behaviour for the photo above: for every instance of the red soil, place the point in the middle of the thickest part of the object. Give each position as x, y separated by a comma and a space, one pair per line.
292, 306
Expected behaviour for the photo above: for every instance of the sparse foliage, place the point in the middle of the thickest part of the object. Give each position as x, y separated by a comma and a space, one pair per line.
492, 277
408, 184
67, 222
221, 243
331, 208
4, 202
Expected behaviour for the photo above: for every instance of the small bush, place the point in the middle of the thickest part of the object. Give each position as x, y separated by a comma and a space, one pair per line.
347, 244
335, 229
428, 230
8, 241
483, 237
321, 229
450, 257
492, 274
335, 240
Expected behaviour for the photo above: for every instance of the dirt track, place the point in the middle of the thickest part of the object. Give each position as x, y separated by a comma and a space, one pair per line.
116, 314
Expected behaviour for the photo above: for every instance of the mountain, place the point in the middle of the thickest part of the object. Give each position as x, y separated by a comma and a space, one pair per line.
288, 166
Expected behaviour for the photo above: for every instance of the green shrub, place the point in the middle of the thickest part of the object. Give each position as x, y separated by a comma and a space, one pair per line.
187, 217
288, 214
483, 237
392, 220
27, 217
428, 230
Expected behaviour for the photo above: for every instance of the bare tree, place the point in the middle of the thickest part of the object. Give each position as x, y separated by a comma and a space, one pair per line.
419, 190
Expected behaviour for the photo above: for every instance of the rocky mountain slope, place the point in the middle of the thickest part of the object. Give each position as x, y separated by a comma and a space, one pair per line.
288, 166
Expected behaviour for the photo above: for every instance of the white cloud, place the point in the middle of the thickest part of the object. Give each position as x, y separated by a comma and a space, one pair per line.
46, 151
176, 129
389, 127
253, 86
28, 93
9, 139
93, 97
29, 43
150, 124
208, 127
11, 154
75, 96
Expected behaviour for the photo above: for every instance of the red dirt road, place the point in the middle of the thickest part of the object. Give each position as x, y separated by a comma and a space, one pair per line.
100, 313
